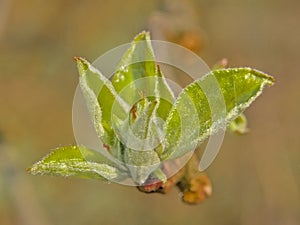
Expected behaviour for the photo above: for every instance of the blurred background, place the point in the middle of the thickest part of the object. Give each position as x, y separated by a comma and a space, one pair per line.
256, 177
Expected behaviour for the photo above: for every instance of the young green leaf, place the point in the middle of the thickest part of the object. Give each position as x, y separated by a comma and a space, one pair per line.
72, 161
137, 62
100, 95
239, 87
137, 76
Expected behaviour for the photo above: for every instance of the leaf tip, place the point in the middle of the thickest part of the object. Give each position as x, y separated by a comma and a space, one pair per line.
29, 170
76, 58
144, 35
33, 170
82, 64
270, 80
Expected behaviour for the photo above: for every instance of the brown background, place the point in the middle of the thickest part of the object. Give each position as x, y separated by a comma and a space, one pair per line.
255, 177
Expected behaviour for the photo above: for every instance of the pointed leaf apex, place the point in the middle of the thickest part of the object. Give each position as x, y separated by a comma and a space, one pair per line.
82, 65
28, 170
76, 58
269, 79
144, 35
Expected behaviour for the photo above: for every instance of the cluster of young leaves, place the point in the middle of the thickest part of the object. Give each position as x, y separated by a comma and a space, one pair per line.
115, 118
